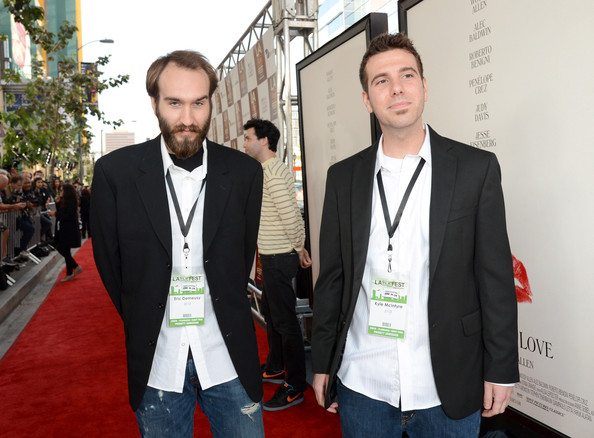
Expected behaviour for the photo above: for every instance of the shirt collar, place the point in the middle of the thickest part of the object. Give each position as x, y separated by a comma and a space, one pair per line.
199, 173
424, 152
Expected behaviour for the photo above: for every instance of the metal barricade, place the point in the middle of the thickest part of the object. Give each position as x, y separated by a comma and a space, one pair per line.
10, 235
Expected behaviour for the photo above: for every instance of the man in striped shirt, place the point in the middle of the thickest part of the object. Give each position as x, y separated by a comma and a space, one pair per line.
280, 244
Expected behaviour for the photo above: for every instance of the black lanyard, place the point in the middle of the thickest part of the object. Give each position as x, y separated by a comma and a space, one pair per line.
184, 227
392, 228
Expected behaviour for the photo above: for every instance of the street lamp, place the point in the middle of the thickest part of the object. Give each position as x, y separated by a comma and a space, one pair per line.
81, 167
104, 41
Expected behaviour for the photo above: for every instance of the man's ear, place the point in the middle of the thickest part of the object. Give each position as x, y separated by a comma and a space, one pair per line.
154, 105
366, 102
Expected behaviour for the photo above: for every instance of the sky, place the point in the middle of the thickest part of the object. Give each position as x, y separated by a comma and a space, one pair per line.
142, 31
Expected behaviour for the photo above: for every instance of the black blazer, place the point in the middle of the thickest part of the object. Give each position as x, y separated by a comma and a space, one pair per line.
472, 302
132, 248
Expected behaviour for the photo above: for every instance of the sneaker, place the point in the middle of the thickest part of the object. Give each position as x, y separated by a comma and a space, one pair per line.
284, 398
272, 377
67, 278
9, 264
22, 257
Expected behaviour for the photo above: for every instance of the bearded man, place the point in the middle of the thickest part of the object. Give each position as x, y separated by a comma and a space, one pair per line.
175, 223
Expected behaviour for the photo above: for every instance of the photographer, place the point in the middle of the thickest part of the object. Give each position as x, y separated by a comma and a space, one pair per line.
39, 196
24, 222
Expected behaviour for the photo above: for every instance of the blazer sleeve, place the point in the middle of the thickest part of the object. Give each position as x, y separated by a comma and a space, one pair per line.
103, 221
330, 284
494, 272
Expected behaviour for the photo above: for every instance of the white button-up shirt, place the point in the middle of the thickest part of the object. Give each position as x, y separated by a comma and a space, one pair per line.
386, 369
210, 354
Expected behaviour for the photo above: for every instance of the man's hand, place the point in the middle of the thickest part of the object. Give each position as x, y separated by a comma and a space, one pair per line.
19, 206
496, 399
304, 260
320, 383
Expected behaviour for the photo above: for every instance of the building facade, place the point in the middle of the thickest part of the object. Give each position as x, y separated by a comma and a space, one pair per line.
118, 139
334, 16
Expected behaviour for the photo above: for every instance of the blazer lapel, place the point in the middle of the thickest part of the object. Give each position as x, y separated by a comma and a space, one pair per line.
151, 187
217, 193
443, 177
362, 194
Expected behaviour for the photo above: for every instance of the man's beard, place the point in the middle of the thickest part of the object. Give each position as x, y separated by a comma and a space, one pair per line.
187, 147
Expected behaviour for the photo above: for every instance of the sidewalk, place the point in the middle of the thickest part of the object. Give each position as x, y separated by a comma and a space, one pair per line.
19, 302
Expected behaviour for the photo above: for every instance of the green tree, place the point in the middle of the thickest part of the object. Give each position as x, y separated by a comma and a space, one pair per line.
49, 129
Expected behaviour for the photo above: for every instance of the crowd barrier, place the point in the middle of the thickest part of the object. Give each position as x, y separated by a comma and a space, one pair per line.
9, 242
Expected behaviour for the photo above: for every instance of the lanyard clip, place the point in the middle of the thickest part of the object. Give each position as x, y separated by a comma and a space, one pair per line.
389, 257
186, 249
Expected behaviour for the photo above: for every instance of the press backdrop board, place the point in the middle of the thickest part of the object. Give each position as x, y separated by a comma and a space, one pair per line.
515, 77
334, 123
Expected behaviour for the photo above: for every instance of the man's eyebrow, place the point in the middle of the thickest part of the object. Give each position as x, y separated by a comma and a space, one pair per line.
377, 76
401, 70
405, 69
172, 99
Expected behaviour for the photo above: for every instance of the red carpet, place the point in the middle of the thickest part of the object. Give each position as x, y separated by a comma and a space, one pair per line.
65, 376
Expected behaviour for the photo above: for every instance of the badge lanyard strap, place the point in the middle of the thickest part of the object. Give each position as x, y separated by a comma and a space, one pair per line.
392, 228
184, 227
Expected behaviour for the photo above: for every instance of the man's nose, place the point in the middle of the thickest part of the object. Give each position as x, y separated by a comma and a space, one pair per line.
186, 116
396, 87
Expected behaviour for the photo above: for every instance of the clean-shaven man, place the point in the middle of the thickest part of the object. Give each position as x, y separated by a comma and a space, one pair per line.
415, 313
280, 245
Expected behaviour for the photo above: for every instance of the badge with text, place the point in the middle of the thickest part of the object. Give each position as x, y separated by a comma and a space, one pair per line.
186, 300
387, 307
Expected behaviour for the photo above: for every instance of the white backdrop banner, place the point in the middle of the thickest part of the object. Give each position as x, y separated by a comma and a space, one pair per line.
515, 78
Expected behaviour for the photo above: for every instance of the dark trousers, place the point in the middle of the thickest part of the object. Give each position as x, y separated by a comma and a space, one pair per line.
27, 229
285, 340
85, 227
70, 262
45, 227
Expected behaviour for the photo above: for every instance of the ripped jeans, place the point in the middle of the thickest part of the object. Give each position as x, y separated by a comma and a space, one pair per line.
230, 412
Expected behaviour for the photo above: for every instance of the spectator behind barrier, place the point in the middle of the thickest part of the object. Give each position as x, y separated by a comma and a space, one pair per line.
4, 231
34, 195
24, 222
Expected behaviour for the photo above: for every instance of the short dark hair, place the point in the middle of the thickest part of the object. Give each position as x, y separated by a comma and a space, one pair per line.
383, 43
187, 59
264, 128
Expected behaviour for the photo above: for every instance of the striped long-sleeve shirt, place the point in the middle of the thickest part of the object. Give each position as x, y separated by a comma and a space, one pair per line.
281, 224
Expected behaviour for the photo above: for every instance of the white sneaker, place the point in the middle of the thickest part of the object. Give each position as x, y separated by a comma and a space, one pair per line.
67, 278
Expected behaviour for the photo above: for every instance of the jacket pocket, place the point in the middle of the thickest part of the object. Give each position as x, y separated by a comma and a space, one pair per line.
472, 323
461, 213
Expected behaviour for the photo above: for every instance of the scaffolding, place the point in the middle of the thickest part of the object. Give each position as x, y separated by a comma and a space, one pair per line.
291, 20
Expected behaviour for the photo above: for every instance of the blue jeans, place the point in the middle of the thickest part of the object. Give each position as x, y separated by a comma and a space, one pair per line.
362, 417
230, 412
27, 229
